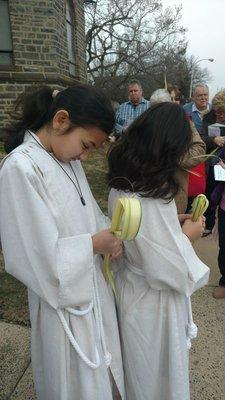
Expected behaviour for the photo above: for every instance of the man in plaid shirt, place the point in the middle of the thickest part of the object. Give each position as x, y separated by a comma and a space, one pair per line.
127, 112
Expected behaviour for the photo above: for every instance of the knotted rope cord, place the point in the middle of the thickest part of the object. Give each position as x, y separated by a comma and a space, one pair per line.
192, 329
98, 316
73, 341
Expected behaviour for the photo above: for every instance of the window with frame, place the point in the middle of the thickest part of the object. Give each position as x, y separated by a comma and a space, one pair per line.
6, 50
70, 36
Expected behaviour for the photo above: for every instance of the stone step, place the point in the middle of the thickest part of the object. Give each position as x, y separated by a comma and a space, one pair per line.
15, 357
25, 388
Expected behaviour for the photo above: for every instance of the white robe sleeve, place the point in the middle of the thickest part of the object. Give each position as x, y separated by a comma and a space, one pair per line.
58, 269
167, 256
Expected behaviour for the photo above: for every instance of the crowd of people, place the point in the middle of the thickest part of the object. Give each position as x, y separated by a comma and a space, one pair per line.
87, 344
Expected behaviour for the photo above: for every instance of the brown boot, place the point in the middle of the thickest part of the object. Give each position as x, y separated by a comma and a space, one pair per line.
219, 292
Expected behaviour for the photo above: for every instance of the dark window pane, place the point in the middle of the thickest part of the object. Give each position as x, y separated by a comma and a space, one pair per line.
72, 69
70, 42
5, 33
70, 36
69, 12
5, 58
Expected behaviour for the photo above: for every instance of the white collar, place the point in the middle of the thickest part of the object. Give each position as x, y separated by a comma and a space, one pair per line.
194, 108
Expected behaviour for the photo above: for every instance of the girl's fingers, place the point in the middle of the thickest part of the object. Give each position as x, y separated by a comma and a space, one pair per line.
118, 253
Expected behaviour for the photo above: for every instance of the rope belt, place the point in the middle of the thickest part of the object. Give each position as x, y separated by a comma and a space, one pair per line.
192, 329
96, 307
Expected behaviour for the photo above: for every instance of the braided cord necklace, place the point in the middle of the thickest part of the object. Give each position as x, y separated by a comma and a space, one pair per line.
76, 185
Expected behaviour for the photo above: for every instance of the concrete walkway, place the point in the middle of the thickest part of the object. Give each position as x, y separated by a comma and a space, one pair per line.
15, 372
207, 356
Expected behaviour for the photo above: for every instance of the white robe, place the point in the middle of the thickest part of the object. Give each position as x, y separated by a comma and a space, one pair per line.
159, 271
46, 239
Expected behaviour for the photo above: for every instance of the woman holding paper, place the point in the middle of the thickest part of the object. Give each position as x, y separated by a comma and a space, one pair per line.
212, 123
213, 119
218, 198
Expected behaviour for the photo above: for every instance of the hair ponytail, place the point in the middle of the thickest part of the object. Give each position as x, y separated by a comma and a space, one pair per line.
37, 107
31, 112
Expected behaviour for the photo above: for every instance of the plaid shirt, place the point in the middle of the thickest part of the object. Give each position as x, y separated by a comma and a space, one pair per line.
127, 112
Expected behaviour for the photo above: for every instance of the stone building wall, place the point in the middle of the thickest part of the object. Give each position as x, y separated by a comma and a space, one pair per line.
40, 52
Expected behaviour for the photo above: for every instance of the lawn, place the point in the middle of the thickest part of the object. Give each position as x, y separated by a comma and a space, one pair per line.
13, 294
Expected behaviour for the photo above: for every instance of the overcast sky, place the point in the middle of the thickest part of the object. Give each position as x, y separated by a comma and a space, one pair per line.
205, 23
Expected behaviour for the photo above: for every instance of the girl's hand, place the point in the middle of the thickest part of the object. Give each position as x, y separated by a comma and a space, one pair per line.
194, 230
105, 242
221, 163
183, 217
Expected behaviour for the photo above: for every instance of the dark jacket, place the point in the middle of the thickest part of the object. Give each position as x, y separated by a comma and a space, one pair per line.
208, 119
218, 190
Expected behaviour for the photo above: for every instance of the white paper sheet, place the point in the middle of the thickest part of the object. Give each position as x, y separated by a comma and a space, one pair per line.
219, 173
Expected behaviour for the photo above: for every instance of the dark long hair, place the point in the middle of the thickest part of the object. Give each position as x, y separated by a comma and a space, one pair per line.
148, 156
36, 107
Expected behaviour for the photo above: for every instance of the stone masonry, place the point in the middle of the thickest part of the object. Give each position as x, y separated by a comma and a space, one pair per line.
40, 51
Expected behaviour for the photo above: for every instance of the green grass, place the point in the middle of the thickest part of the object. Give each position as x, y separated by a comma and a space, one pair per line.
13, 299
95, 167
1, 148
13, 294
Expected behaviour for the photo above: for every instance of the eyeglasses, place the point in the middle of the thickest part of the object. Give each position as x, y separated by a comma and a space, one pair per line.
202, 96
219, 112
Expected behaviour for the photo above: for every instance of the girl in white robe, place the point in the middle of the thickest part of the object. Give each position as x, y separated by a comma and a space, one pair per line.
160, 269
52, 235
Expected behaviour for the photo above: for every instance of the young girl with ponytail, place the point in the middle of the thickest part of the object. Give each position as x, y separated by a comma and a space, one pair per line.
53, 235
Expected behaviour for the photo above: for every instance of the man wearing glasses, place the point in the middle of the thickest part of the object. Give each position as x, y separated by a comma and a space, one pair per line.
199, 106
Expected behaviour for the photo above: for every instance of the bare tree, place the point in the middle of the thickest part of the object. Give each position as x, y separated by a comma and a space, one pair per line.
122, 35
138, 38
